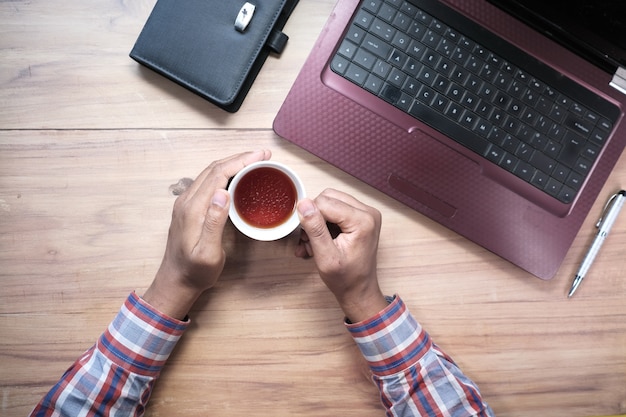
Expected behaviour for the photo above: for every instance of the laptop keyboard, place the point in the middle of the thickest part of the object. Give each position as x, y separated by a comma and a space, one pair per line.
482, 92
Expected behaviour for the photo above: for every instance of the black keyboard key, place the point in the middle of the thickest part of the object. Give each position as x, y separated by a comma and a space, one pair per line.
365, 59
483, 128
404, 102
508, 142
455, 92
412, 67
566, 195
431, 39
376, 46
473, 84
390, 93
605, 124
441, 83
364, 19
557, 113
470, 100
574, 181
501, 99
445, 67
339, 64
540, 179
573, 145
398, 58
582, 166
402, 21
356, 74
539, 142
417, 30
524, 170
553, 149
561, 172
381, 69
347, 49
430, 58
438, 27
590, 151
372, 5
484, 109
416, 50
599, 136
412, 11
469, 120
397, 78
374, 84
383, 30
542, 162
401, 41
454, 111
495, 154
426, 95
592, 117
356, 34
411, 87
427, 76
578, 125
420, 15
524, 151
509, 162
446, 47
440, 103
553, 187
387, 13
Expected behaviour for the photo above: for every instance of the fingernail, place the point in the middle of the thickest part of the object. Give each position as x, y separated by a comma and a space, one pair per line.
219, 199
306, 207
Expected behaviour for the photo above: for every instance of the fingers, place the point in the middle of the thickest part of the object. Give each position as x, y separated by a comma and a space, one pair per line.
199, 195
348, 213
216, 216
219, 172
331, 214
316, 238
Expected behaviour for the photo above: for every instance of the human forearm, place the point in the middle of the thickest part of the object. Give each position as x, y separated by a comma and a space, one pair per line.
413, 375
126, 359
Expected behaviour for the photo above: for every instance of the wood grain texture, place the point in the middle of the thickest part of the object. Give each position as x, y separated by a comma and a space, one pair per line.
89, 146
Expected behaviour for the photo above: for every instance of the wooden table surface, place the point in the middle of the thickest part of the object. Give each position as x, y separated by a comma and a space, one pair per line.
90, 143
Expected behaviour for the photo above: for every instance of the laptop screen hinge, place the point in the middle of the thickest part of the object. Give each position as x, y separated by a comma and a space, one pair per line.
619, 80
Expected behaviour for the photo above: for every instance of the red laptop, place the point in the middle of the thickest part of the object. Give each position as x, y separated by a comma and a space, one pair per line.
499, 119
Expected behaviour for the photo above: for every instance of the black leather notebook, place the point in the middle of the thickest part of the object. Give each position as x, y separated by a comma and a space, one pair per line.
214, 48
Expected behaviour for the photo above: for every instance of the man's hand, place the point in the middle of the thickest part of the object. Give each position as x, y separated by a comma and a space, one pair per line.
347, 262
194, 257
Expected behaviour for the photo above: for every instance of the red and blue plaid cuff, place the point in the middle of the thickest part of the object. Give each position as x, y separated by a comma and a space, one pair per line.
392, 340
141, 337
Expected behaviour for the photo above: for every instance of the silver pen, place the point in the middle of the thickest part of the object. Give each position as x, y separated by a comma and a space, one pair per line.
609, 214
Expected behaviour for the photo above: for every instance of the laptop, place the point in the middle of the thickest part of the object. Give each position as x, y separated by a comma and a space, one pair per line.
499, 119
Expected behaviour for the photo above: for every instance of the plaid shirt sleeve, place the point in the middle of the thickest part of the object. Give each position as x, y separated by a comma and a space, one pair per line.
116, 375
414, 376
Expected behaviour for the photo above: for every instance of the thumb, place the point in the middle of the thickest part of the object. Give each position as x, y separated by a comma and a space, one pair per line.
217, 214
313, 223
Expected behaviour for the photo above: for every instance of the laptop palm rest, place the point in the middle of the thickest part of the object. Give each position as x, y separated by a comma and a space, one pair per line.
421, 196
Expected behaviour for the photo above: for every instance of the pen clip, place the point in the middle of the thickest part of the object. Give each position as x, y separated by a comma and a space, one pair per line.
607, 207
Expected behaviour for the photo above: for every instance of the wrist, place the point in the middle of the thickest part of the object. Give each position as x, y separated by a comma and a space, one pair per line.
173, 300
364, 307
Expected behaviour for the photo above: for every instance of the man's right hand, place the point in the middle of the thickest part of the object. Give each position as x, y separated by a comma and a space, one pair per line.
347, 262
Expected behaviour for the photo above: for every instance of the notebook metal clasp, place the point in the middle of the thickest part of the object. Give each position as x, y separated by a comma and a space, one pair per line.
244, 17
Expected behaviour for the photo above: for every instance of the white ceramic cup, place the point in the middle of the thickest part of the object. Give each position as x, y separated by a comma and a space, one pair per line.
248, 227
